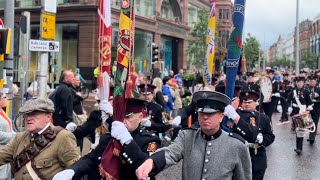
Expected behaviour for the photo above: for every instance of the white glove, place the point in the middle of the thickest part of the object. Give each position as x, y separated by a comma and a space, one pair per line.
259, 138
106, 107
316, 95
71, 126
276, 94
120, 132
230, 112
64, 175
176, 121
145, 122
290, 110
279, 108
310, 108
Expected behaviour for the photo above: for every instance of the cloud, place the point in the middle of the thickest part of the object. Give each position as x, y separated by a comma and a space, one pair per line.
267, 19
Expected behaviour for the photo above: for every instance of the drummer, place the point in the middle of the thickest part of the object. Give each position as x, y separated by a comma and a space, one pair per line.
300, 102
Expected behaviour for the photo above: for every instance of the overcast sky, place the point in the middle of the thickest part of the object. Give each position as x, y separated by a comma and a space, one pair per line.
267, 19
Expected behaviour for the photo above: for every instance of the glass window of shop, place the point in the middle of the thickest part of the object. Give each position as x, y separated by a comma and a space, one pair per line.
66, 58
166, 10
115, 4
192, 15
142, 41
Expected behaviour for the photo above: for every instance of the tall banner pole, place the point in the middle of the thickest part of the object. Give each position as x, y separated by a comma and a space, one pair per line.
104, 44
234, 51
209, 59
110, 161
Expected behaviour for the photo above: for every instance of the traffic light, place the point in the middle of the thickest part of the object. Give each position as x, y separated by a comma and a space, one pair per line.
154, 53
5, 37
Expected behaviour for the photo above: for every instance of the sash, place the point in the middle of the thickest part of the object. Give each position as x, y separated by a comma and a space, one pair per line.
34, 149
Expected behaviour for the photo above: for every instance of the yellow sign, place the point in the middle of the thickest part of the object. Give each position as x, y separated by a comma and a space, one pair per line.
48, 26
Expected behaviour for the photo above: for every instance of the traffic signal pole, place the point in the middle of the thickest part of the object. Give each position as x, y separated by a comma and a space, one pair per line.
8, 59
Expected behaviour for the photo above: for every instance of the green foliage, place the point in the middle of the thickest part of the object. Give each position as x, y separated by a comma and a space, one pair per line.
251, 51
308, 60
279, 63
197, 45
188, 77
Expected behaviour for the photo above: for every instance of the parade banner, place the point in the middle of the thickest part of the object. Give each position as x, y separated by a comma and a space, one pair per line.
104, 35
234, 51
110, 161
209, 59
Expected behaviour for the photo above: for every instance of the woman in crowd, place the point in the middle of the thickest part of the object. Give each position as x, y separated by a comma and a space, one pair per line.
6, 134
158, 96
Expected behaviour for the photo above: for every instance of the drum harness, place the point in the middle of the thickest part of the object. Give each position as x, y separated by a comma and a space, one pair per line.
302, 108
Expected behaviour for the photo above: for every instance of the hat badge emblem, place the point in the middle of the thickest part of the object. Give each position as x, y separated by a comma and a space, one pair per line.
204, 95
247, 94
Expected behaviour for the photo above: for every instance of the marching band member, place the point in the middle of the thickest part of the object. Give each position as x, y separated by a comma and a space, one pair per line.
265, 136
301, 102
315, 98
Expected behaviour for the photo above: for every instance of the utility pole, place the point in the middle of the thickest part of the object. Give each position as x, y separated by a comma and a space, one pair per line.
25, 54
297, 41
8, 60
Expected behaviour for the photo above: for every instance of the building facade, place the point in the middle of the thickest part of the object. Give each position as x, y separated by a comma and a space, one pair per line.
167, 23
315, 39
304, 36
288, 47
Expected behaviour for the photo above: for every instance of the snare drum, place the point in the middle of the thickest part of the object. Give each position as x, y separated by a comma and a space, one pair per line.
303, 120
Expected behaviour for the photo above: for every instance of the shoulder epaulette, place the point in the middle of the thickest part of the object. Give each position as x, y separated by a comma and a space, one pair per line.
237, 136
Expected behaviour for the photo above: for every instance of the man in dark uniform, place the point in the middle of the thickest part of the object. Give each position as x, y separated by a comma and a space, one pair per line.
315, 98
265, 136
154, 111
137, 145
300, 102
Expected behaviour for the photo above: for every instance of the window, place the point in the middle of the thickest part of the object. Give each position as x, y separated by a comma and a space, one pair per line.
223, 14
166, 10
115, 4
145, 8
193, 15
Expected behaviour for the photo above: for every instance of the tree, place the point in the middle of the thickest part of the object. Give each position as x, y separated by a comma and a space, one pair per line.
251, 51
308, 60
197, 45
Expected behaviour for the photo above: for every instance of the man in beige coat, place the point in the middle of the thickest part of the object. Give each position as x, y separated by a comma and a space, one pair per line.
51, 149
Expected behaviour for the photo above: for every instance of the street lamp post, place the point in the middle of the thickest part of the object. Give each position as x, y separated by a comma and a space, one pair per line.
297, 40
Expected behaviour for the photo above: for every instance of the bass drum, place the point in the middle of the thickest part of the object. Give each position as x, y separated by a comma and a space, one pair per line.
266, 89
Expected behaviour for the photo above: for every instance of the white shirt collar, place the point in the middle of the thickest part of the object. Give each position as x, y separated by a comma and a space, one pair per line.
44, 128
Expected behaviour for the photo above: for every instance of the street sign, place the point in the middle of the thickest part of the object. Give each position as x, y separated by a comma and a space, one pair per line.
43, 45
48, 26
49, 6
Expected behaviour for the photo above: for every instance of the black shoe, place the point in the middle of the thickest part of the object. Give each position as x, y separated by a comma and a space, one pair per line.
298, 151
284, 119
311, 141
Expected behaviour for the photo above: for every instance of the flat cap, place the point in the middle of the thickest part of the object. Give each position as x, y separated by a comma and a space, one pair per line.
134, 106
211, 101
37, 104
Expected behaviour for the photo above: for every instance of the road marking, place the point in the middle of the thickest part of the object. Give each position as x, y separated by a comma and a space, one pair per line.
286, 122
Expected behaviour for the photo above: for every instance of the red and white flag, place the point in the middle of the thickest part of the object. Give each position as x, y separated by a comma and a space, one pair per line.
104, 35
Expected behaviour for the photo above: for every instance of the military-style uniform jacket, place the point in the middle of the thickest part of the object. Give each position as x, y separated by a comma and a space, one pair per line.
304, 97
246, 127
144, 143
55, 157
216, 157
155, 111
259, 160
315, 98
